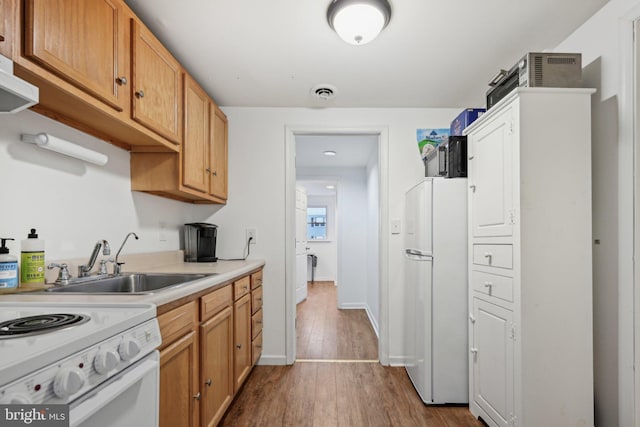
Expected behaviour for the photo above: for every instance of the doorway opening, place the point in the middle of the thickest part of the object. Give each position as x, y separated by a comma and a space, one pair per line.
349, 243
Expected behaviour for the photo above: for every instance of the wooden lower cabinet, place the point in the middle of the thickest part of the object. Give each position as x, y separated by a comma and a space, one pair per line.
179, 383
209, 346
242, 340
216, 365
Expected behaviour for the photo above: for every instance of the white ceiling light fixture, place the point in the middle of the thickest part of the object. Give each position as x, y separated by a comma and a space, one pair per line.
329, 153
358, 21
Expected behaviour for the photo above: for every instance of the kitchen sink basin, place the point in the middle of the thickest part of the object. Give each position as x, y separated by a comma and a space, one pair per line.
131, 283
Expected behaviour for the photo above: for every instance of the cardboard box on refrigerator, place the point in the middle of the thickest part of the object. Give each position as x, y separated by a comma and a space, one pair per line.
464, 119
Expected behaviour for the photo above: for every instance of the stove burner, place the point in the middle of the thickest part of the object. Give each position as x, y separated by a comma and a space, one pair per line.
40, 324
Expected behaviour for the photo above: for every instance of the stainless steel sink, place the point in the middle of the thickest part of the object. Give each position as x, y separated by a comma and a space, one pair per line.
131, 283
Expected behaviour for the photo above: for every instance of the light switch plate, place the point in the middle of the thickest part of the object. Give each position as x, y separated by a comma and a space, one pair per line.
395, 226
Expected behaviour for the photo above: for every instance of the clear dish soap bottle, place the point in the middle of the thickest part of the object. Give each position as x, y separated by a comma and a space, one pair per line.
8, 267
32, 259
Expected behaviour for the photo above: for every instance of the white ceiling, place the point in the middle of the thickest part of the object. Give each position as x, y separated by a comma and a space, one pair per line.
433, 53
351, 150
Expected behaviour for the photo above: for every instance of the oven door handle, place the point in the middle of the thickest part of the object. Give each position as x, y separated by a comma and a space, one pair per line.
89, 405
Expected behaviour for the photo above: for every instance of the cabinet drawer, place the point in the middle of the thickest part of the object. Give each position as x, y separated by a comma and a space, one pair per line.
492, 285
241, 287
256, 279
212, 303
256, 299
256, 349
256, 324
493, 255
177, 322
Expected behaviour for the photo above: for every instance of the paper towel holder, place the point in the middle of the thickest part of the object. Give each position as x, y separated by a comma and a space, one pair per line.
67, 148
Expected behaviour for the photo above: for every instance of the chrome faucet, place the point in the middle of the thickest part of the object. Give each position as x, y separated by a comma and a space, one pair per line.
117, 266
84, 270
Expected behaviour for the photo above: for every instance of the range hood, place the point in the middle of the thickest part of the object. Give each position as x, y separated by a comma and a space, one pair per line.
15, 94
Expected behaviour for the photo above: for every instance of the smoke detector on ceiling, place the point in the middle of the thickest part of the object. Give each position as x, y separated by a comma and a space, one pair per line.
324, 92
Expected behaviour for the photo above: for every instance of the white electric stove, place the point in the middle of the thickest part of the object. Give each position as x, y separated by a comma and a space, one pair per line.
100, 359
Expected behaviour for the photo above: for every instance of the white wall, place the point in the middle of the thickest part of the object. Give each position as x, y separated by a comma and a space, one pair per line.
257, 196
325, 250
604, 42
373, 247
73, 204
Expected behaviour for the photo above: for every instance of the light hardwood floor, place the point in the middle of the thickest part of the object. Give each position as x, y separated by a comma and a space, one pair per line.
342, 386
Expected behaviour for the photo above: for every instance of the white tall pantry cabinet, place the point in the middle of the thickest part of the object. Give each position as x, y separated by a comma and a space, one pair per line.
530, 274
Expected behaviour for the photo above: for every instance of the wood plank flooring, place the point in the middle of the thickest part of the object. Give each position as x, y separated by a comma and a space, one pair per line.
328, 392
324, 332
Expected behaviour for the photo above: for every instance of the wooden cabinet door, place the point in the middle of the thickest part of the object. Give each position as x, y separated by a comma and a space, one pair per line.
492, 356
195, 146
82, 42
179, 396
242, 340
7, 19
218, 160
216, 366
491, 161
157, 85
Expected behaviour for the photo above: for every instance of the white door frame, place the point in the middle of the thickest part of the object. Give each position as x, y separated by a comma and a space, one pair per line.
630, 127
290, 205
632, 70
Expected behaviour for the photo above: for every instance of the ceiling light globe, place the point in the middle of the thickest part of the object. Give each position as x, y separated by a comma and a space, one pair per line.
358, 21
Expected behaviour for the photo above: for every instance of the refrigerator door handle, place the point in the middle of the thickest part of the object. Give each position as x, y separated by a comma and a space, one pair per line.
416, 254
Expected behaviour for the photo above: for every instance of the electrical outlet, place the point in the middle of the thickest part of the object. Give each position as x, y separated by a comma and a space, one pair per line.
162, 234
251, 234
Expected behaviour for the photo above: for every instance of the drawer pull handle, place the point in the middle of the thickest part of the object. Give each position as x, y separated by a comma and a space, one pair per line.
208, 382
489, 286
488, 256
197, 396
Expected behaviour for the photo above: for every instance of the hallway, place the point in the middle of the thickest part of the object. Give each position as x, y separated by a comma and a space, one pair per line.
324, 332
349, 388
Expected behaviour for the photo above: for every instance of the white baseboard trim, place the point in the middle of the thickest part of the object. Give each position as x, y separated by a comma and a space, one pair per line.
397, 361
352, 306
272, 360
373, 321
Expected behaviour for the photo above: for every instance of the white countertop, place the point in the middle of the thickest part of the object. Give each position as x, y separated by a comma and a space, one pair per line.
224, 272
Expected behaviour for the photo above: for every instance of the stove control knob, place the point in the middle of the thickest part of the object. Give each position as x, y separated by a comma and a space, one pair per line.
128, 348
105, 361
15, 399
68, 381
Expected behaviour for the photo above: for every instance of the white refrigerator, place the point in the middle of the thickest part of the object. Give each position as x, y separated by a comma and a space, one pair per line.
435, 315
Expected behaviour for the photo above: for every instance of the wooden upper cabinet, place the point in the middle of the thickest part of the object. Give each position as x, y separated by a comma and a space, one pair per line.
7, 19
219, 131
195, 148
83, 42
157, 85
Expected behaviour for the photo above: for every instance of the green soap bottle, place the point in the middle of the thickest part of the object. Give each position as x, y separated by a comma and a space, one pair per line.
32, 259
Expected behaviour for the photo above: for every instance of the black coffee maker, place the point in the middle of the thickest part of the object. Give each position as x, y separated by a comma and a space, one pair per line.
200, 242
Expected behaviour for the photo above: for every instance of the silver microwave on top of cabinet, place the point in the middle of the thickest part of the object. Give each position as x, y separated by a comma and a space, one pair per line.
550, 69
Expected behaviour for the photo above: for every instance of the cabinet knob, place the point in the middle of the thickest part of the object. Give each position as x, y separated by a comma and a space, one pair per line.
140, 94
215, 173
208, 170
197, 396
238, 346
208, 382
121, 80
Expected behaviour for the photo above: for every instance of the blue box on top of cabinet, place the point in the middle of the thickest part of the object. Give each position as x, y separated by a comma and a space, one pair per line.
464, 119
